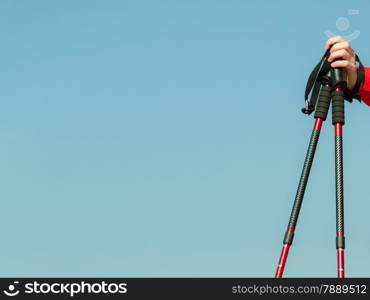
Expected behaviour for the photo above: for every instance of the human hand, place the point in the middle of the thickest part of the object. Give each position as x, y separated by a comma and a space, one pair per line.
342, 50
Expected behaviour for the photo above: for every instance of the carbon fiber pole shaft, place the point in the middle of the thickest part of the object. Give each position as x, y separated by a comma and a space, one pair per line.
338, 122
320, 116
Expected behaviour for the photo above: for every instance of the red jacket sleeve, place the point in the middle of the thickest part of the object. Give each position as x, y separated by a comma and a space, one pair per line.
364, 91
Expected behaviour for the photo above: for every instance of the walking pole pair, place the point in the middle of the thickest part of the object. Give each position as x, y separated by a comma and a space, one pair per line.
329, 87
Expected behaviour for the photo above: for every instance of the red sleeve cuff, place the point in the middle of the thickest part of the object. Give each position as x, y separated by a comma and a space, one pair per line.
364, 91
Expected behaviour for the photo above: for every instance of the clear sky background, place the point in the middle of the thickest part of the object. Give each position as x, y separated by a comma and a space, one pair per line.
165, 138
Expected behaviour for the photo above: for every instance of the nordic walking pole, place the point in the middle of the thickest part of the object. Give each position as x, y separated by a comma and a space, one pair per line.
324, 84
338, 122
320, 116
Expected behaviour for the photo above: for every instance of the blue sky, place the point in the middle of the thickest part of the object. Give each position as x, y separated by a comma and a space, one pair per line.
165, 138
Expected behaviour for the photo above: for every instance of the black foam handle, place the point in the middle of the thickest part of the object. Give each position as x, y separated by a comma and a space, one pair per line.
338, 106
323, 103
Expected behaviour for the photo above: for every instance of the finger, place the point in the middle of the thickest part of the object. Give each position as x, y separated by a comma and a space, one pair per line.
350, 66
342, 45
333, 40
342, 54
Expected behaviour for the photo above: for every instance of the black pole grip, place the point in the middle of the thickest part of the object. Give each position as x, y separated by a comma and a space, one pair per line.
338, 106
323, 103
337, 78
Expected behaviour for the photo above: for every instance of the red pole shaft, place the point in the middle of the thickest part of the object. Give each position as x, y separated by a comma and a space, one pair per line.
282, 261
340, 262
